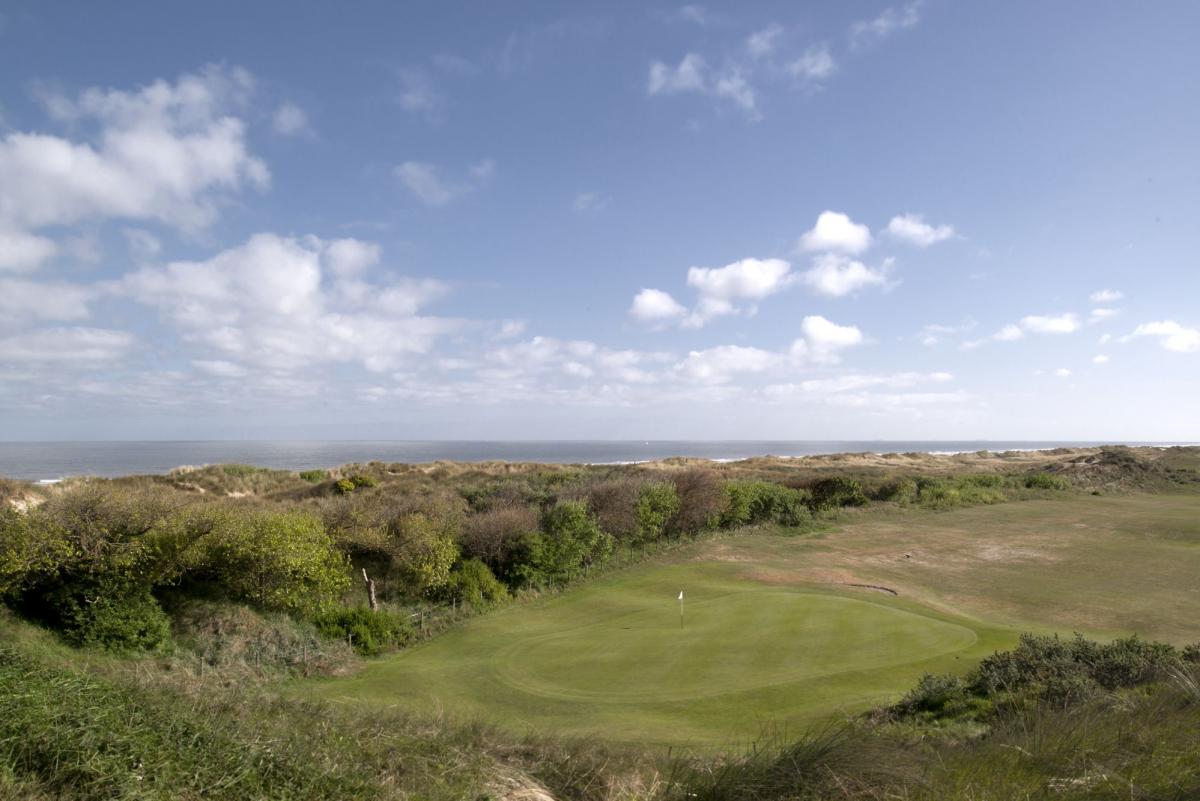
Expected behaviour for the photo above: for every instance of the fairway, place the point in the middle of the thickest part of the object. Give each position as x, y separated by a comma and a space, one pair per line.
774, 634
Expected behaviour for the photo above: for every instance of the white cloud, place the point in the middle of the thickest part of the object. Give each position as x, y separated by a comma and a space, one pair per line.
1059, 324
913, 229
693, 75
165, 152
655, 307
1105, 296
815, 64
1032, 324
853, 382
718, 365
80, 346
689, 76
20, 250
1100, 358
1101, 314
22, 300
282, 304
721, 288
1171, 335
822, 340
891, 20
426, 182
695, 14
142, 244
590, 203
933, 333
220, 368
416, 92
1104, 339
835, 231
1009, 333
836, 275
1062, 372
762, 43
290, 120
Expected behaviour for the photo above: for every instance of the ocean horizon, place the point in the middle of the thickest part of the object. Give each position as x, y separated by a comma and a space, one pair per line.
51, 461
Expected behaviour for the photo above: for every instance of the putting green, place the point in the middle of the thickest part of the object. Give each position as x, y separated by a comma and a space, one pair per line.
610, 659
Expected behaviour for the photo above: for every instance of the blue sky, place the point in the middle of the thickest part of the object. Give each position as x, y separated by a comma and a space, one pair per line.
848, 220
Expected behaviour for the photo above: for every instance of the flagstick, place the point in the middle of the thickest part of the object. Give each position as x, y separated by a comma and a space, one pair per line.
681, 610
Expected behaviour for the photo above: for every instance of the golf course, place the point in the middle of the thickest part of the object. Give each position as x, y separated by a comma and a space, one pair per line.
778, 631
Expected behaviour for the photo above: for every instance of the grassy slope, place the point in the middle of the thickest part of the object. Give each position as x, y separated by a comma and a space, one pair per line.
775, 636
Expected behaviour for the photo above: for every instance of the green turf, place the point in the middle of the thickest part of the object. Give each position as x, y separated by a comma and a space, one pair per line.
611, 659
774, 636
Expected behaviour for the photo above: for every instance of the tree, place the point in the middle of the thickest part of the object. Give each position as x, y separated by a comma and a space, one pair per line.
657, 504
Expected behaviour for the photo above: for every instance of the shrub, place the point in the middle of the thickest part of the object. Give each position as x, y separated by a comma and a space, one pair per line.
369, 632
111, 616
837, 491
701, 501
344, 486
274, 560
473, 583
938, 695
314, 476
750, 502
901, 490
1045, 481
422, 551
657, 504
615, 505
569, 543
30, 545
492, 536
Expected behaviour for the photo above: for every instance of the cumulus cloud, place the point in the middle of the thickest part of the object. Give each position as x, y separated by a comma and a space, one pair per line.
835, 231
656, 307
1100, 358
1105, 296
913, 229
823, 340
897, 18
168, 152
722, 288
290, 120
835, 275
1101, 314
1062, 372
426, 181
1170, 335
282, 303
933, 333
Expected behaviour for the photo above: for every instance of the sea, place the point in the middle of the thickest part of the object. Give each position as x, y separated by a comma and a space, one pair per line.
54, 461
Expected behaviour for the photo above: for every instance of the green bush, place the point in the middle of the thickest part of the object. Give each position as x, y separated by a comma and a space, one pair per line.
749, 502
314, 476
837, 491
111, 616
344, 486
1045, 481
569, 543
473, 583
421, 552
369, 632
901, 490
934, 696
657, 504
273, 560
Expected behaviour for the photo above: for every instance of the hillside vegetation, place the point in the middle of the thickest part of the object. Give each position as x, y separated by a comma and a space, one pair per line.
159, 627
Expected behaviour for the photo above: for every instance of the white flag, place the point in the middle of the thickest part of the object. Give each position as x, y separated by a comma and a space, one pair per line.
681, 595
